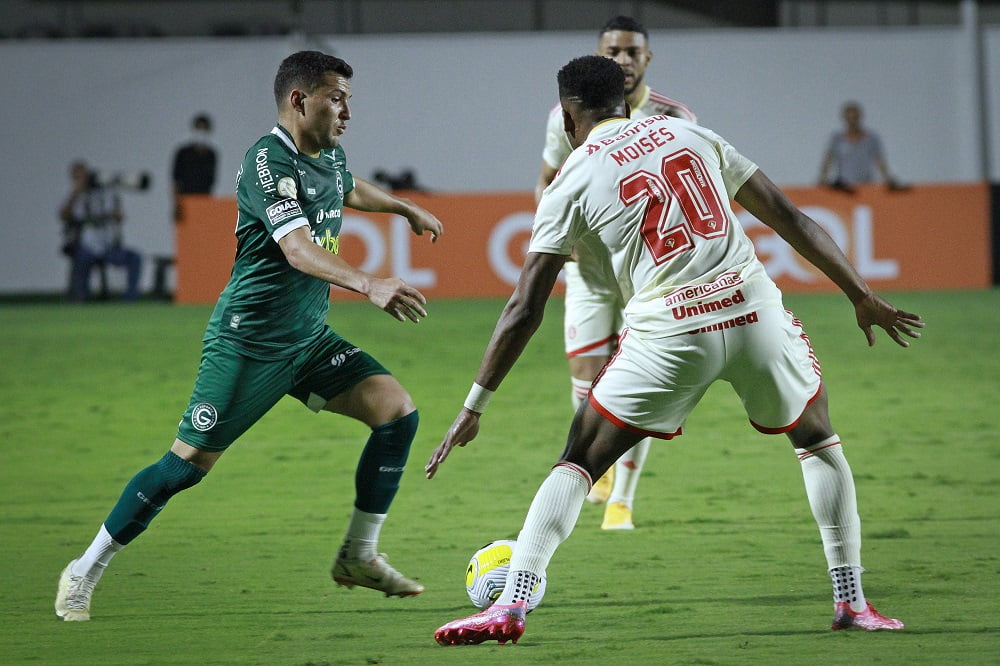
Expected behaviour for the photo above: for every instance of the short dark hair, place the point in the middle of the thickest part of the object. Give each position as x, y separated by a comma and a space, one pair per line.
306, 69
597, 83
625, 23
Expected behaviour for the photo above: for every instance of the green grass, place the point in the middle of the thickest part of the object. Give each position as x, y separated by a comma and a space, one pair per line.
725, 566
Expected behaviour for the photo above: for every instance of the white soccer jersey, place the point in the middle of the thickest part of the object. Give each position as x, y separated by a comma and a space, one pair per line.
651, 198
557, 147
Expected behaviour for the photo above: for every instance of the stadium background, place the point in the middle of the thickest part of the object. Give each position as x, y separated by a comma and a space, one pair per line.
725, 566
458, 91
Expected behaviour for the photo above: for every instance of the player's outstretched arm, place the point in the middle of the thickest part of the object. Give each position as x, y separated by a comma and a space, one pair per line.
389, 294
766, 202
370, 198
520, 319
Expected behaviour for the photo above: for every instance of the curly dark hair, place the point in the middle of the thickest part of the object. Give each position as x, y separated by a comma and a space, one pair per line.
597, 83
306, 69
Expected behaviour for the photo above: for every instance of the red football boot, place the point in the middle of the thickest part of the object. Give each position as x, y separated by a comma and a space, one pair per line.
499, 623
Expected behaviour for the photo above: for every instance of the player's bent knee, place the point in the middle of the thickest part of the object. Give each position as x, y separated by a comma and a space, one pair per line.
204, 460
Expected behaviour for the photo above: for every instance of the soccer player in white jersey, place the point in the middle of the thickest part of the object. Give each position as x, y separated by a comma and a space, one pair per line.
593, 315
652, 198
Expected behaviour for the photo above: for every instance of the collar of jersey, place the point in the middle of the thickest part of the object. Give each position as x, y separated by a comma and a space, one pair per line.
645, 97
285, 137
605, 122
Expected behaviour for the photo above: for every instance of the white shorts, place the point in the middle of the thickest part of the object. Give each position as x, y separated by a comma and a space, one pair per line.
593, 319
650, 386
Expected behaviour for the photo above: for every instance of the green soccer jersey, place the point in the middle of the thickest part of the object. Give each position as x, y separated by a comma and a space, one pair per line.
269, 309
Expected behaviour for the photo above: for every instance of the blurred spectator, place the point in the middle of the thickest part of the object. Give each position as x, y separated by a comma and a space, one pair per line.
92, 234
854, 155
194, 162
192, 172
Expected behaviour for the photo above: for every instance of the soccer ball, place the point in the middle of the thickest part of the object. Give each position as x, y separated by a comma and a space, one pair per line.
486, 575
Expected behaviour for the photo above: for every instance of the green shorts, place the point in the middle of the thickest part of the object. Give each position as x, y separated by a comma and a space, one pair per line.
234, 390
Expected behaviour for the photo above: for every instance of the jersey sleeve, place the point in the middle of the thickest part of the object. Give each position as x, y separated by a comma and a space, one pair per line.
657, 103
736, 169
556, 224
557, 147
681, 111
272, 191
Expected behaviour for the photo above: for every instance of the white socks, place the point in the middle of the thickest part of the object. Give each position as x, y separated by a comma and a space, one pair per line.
550, 520
847, 587
361, 540
97, 556
627, 471
830, 489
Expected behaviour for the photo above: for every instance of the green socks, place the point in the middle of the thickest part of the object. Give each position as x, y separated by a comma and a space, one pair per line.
147, 493
382, 463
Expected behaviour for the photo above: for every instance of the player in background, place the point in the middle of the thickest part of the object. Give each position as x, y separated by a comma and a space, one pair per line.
653, 196
593, 305
268, 336
854, 155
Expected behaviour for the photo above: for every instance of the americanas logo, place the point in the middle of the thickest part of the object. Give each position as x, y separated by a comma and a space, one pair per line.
284, 210
204, 416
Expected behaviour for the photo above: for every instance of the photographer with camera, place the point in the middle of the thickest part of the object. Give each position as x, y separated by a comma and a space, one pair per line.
92, 233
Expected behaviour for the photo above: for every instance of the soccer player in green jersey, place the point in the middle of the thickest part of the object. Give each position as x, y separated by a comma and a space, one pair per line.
268, 335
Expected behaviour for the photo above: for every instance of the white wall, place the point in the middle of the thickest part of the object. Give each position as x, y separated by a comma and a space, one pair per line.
466, 111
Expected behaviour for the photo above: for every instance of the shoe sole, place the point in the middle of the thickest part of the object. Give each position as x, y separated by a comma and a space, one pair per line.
477, 636
621, 527
351, 584
73, 616
857, 627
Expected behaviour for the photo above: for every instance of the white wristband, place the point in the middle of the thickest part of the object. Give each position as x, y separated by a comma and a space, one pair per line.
478, 398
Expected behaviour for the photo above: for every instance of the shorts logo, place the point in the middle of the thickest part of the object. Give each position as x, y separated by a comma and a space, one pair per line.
338, 359
204, 416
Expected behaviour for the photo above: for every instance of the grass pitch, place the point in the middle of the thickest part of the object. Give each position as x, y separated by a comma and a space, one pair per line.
726, 565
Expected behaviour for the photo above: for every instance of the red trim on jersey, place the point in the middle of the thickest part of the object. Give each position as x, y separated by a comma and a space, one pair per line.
660, 98
621, 425
579, 470
613, 339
